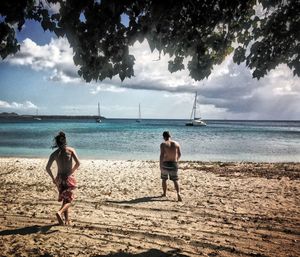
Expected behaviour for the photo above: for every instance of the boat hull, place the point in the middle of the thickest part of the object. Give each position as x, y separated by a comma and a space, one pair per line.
198, 123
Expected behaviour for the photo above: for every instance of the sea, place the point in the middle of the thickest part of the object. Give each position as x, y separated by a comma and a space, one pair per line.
126, 139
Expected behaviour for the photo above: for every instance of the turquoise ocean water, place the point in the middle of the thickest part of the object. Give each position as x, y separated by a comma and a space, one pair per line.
261, 141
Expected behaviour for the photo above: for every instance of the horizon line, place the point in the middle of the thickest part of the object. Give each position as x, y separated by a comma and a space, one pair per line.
9, 116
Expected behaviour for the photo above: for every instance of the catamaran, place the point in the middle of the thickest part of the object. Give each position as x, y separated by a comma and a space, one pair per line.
194, 121
98, 120
139, 119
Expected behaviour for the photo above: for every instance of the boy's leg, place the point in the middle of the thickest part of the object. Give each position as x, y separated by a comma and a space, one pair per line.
62, 210
65, 208
67, 220
58, 215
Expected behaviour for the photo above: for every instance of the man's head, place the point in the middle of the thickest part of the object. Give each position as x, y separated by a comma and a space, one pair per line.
166, 135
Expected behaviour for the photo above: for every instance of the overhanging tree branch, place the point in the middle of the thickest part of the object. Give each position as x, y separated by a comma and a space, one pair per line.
207, 31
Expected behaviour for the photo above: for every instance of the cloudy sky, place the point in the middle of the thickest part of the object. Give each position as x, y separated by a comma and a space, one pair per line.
42, 77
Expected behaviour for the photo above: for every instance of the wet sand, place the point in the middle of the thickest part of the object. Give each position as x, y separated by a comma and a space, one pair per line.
228, 209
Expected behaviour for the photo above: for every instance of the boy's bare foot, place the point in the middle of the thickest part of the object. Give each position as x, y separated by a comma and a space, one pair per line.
59, 218
163, 195
68, 223
179, 198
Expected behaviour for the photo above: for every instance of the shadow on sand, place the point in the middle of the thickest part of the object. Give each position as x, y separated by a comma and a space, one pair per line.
28, 230
141, 200
149, 253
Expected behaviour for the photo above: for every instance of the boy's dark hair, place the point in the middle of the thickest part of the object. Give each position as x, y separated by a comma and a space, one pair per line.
166, 135
60, 140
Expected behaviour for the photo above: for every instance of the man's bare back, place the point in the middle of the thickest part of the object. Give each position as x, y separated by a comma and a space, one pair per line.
170, 151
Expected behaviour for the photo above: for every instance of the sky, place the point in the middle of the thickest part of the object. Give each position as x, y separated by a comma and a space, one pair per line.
41, 78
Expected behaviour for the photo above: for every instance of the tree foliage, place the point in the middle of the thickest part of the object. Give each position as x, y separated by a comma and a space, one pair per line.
261, 33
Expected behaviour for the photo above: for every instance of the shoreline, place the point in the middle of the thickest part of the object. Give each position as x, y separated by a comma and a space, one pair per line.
156, 160
228, 209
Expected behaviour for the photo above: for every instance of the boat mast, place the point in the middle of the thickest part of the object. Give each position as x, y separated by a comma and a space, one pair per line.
98, 109
195, 105
139, 111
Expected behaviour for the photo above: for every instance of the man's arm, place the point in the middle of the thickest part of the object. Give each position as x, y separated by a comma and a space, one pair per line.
179, 151
48, 167
76, 159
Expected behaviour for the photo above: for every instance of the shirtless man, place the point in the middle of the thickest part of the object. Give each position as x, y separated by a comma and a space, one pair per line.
169, 156
65, 180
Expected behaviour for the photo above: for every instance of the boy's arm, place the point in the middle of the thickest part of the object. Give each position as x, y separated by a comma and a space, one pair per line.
48, 167
76, 159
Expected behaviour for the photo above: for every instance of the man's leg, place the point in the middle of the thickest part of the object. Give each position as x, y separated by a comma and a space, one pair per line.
164, 187
177, 188
164, 176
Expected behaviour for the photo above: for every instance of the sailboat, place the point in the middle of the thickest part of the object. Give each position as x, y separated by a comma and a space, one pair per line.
139, 119
194, 121
37, 115
98, 120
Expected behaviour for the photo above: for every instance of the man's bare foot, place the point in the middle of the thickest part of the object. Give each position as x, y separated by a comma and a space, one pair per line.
59, 218
179, 198
163, 195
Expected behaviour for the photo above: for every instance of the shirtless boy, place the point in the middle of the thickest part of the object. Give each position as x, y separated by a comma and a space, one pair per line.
65, 180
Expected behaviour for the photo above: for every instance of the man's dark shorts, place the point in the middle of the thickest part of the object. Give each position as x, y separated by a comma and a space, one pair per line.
169, 169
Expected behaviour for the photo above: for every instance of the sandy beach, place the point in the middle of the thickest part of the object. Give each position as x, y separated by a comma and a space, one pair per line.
228, 209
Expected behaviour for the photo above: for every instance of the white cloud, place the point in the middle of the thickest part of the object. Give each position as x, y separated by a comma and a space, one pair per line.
56, 57
4, 104
149, 68
15, 105
95, 89
179, 98
61, 76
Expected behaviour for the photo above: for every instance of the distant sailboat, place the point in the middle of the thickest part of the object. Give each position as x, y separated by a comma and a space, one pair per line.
194, 121
139, 119
36, 116
98, 120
